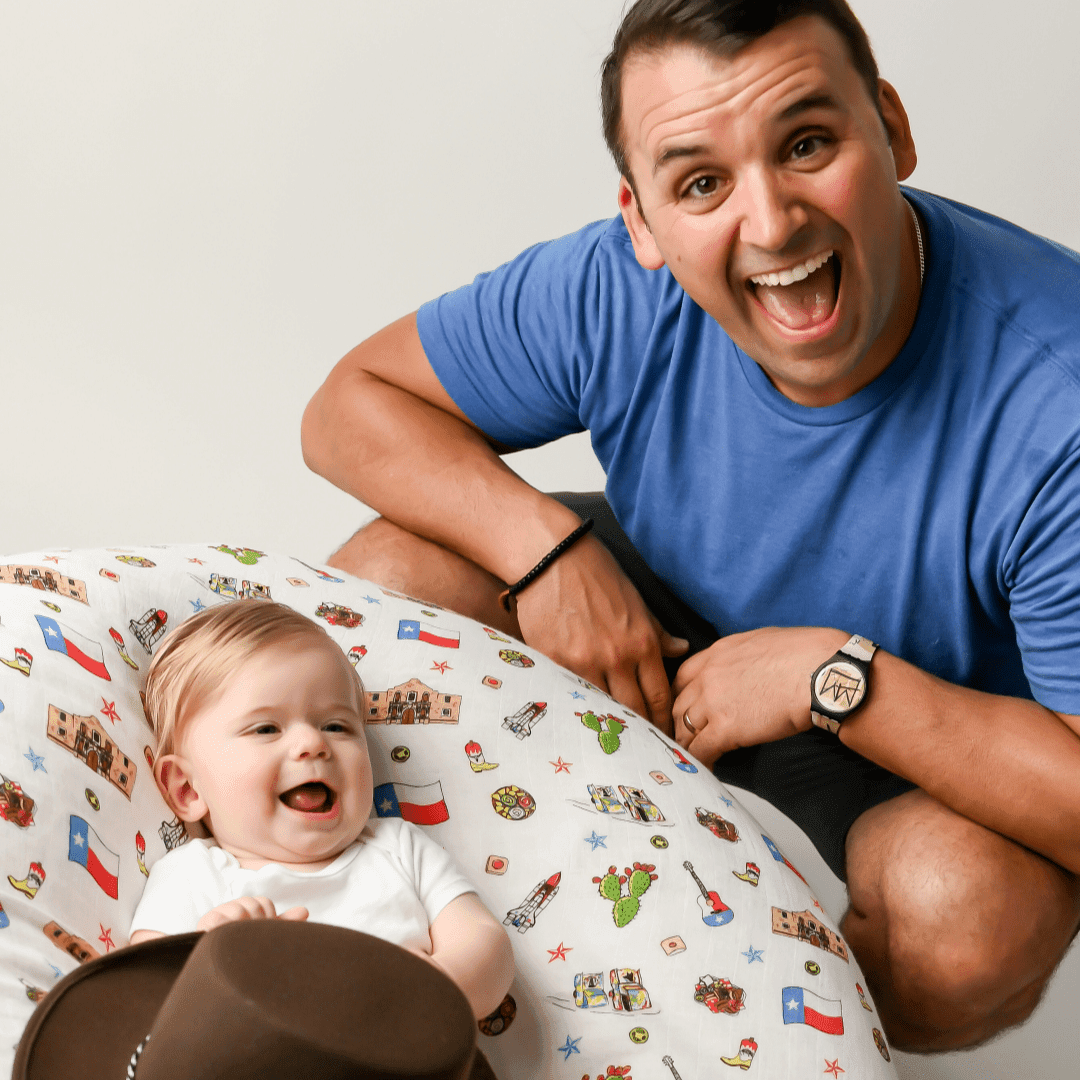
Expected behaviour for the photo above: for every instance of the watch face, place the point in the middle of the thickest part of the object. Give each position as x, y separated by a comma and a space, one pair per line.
839, 686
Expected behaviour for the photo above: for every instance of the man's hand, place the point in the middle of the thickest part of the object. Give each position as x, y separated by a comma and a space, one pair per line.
584, 613
749, 688
247, 907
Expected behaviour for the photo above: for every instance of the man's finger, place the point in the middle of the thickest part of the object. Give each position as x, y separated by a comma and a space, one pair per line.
684, 734
625, 689
672, 646
657, 693
688, 669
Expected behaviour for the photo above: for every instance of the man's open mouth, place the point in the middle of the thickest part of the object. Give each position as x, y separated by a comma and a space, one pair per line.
314, 797
800, 297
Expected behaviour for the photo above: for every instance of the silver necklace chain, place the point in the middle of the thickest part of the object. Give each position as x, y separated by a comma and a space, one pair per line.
918, 237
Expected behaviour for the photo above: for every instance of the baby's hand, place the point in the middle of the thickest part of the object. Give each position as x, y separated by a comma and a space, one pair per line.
247, 907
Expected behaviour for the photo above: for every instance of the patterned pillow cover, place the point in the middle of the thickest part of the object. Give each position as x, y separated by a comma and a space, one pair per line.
657, 932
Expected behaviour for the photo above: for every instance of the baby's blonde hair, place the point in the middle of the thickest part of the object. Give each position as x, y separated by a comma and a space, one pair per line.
197, 657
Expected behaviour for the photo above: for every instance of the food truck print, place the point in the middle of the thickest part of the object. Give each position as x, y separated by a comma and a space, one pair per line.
627, 994
634, 802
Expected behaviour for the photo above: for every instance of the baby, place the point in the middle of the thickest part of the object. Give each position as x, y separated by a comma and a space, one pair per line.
259, 720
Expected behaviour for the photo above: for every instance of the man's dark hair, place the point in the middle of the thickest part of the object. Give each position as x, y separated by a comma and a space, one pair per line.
720, 27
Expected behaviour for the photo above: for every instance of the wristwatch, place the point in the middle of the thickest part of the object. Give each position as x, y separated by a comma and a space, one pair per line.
838, 688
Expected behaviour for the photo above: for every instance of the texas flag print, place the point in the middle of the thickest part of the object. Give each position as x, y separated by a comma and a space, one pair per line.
411, 630
779, 857
805, 1007
422, 804
83, 651
86, 848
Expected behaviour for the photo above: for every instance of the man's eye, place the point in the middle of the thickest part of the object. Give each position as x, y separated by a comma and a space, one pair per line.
703, 187
808, 146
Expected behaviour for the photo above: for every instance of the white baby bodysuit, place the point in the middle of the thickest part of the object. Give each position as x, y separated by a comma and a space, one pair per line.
391, 883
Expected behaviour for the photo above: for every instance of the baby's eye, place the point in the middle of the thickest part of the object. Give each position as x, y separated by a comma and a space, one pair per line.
265, 729
337, 726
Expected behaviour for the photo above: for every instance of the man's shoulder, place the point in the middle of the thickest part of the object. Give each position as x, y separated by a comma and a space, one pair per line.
600, 248
1022, 281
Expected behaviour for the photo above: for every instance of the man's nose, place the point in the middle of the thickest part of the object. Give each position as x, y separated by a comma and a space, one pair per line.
771, 214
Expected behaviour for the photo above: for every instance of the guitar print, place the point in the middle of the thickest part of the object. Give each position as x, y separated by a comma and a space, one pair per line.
714, 912
666, 1059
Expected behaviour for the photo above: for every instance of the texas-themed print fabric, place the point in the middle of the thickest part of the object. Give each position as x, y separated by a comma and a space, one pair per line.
659, 933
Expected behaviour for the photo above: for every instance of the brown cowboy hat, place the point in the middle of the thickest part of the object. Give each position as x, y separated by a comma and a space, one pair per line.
254, 1001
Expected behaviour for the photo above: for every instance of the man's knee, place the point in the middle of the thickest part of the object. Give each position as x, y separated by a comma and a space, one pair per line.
381, 551
957, 928
400, 560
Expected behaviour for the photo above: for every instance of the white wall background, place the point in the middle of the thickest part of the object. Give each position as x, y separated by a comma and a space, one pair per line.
203, 205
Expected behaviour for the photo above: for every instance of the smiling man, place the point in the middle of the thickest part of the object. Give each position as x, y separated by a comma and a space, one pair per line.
840, 420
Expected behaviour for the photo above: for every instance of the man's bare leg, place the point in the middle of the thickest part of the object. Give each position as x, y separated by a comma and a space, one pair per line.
957, 929
397, 559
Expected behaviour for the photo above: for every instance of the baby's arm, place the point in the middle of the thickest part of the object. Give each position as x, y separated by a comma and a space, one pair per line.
471, 946
246, 907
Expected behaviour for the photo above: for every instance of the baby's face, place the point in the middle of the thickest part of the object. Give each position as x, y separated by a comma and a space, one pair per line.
279, 757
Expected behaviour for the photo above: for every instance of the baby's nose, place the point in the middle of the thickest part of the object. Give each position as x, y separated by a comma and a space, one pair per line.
309, 741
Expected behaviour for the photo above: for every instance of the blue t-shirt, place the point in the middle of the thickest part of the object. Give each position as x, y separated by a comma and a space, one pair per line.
936, 511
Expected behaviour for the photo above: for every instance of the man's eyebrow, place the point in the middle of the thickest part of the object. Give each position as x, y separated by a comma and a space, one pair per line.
674, 152
815, 101
806, 104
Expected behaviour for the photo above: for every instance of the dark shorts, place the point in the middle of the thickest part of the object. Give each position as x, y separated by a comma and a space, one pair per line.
812, 777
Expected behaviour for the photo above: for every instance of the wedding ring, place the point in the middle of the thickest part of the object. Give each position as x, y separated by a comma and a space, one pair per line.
686, 721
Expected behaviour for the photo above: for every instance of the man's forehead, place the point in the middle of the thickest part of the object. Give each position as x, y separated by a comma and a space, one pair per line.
678, 89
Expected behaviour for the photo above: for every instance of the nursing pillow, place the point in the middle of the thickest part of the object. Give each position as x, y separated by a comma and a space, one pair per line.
659, 933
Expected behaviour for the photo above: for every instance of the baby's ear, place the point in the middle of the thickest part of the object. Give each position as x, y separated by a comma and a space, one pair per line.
174, 783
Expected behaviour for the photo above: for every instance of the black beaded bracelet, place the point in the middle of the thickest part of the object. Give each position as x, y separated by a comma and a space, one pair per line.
544, 563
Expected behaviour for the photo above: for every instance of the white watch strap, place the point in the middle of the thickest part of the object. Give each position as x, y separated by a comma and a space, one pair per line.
859, 647
822, 721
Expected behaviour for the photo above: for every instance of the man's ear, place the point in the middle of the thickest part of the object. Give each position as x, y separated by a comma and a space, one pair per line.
174, 783
648, 254
898, 129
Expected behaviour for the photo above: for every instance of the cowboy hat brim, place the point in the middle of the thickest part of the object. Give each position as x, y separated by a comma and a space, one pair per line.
91, 1021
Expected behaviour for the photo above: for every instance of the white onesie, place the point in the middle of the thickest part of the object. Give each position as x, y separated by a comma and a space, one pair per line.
391, 883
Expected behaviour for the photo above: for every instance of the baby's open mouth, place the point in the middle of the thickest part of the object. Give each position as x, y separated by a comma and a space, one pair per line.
802, 296
313, 797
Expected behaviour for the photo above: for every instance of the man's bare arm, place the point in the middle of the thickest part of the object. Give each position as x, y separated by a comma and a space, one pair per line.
383, 428
1007, 763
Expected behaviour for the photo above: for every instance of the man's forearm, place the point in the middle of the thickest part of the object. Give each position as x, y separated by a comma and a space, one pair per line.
1007, 763
383, 428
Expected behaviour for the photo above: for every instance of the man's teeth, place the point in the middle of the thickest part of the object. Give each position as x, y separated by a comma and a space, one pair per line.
795, 273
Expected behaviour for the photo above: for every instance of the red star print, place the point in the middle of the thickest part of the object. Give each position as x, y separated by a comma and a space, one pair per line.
561, 766
106, 938
109, 710
52, 558
818, 906
441, 666
199, 561
560, 952
833, 1068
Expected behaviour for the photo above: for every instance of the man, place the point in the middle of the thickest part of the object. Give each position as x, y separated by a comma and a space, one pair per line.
826, 408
